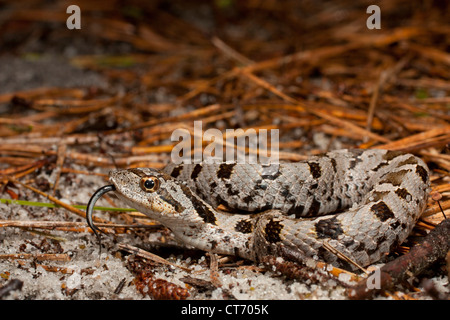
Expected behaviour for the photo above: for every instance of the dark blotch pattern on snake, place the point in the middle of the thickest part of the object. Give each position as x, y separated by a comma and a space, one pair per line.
288, 207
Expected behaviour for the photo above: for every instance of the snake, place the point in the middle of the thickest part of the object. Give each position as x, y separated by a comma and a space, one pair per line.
363, 203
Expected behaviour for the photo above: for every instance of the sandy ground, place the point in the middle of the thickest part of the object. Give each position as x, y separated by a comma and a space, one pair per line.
90, 276
109, 269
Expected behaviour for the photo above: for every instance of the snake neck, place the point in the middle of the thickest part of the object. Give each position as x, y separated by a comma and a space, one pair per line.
193, 221
209, 229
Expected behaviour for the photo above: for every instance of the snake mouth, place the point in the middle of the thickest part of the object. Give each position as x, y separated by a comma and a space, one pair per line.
90, 207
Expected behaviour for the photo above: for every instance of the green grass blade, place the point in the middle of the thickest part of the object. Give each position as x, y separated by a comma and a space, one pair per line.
53, 205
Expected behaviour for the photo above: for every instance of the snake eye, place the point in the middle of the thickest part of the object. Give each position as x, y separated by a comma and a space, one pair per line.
149, 184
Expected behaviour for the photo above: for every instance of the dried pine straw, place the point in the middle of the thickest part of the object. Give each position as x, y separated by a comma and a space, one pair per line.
335, 84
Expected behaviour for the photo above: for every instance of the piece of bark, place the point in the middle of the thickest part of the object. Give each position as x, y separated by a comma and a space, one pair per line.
433, 247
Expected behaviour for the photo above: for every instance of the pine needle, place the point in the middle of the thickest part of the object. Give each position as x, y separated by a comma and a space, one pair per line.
53, 205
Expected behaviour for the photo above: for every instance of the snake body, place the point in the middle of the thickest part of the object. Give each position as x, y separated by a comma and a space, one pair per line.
361, 202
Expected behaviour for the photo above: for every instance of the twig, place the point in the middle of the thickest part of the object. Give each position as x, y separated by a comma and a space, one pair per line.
51, 198
436, 196
65, 225
39, 256
214, 270
411, 142
443, 205
433, 247
231, 52
384, 77
120, 286
342, 256
17, 170
200, 284
58, 202
148, 255
63, 270
61, 156
312, 110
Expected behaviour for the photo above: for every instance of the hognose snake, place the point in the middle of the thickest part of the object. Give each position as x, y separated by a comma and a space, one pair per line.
284, 209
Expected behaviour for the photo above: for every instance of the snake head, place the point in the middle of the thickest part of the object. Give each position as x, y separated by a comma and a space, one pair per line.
139, 188
150, 191
154, 193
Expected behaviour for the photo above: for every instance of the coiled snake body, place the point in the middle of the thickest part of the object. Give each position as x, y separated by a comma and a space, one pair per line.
361, 202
